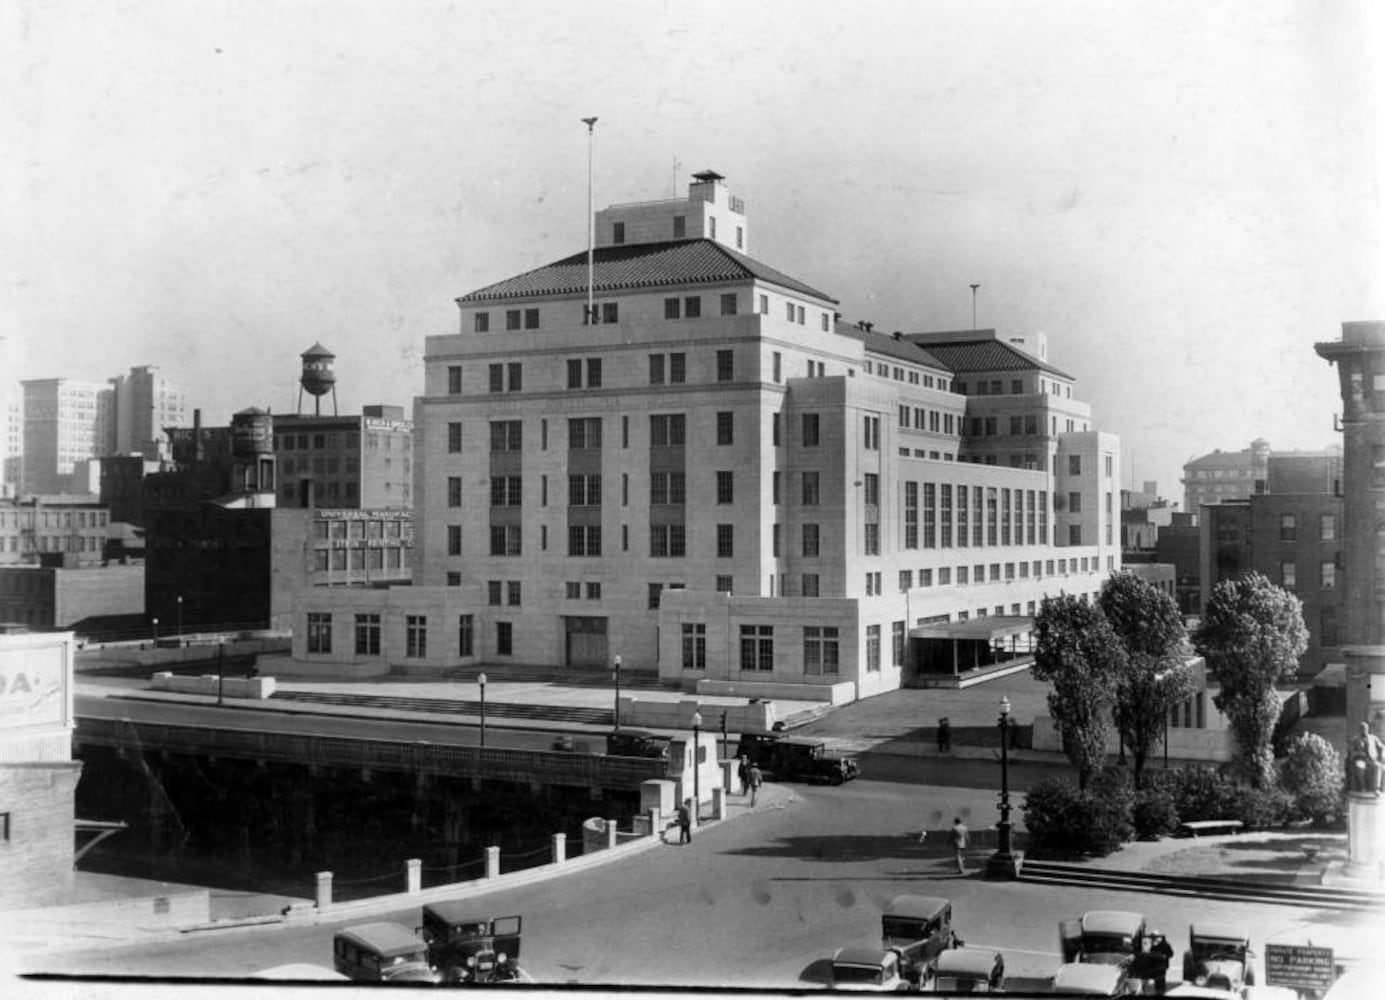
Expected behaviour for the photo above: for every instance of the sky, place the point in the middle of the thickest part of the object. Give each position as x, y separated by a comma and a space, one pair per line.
1183, 196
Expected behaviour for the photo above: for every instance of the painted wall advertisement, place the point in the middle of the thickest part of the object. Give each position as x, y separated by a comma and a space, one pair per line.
33, 685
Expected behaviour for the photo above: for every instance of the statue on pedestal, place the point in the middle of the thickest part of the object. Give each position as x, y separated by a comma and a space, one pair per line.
1365, 762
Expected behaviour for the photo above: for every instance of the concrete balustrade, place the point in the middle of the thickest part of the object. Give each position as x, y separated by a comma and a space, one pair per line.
257, 688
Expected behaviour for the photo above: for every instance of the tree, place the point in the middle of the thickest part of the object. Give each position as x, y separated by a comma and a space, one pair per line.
1313, 775
1251, 635
1154, 677
1080, 656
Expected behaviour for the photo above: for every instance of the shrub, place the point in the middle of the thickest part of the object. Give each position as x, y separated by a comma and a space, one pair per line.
1262, 808
1064, 819
1154, 814
1207, 794
1312, 774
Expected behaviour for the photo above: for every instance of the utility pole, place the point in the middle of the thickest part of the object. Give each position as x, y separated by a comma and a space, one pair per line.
591, 219
973, 305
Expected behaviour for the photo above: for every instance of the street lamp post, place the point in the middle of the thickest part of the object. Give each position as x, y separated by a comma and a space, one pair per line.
721, 754
481, 680
1005, 862
156, 633
697, 763
220, 669
616, 665
180, 619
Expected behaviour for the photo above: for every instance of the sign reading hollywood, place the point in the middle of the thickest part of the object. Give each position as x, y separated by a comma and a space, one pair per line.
32, 685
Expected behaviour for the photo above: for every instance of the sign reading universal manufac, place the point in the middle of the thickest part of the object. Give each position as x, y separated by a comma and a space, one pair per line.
1298, 966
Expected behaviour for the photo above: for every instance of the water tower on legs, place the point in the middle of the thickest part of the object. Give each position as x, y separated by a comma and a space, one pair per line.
318, 378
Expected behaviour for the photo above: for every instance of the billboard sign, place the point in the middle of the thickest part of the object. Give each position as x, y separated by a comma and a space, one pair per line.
33, 682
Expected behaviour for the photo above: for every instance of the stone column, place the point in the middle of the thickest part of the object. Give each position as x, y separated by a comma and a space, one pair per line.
414, 874
559, 848
610, 833
492, 862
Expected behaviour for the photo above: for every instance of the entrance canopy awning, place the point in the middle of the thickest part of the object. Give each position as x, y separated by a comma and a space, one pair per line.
976, 629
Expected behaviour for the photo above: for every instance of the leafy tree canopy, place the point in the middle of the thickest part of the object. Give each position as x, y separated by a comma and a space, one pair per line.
1079, 654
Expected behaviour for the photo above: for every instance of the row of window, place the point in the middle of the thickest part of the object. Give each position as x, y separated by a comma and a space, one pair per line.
322, 465
962, 576
33, 518
1288, 527
1327, 574
346, 559
367, 629
911, 375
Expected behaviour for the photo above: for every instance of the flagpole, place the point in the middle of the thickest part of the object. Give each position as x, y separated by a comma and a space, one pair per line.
591, 220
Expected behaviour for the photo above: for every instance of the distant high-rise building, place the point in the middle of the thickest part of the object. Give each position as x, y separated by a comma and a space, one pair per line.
145, 403
65, 422
1226, 475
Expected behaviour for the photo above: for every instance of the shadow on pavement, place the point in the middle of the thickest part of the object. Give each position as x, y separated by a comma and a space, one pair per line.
842, 848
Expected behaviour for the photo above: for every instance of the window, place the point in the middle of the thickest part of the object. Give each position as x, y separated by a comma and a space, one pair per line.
1288, 528
507, 491
506, 435
694, 646
584, 539
811, 540
531, 319
963, 575
821, 652
504, 639
872, 432
367, 635
667, 488
618, 232
788, 311
656, 364
726, 427
654, 596
872, 539
667, 430
1074, 503
911, 515
505, 540
1288, 572
667, 540
512, 592
574, 373
692, 306
728, 304
319, 632
680, 227
454, 438
725, 487
1328, 580
810, 430
726, 366
1327, 527
416, 636
1074, 465
757, 647
810, 585
610, 312
466, 635
454, 578
777, 366
454, 380
812, 494
897, 644
494, 592
584, 432
726, 541
584, 490
723, 585
573, 590
872, 489
454, 539
481, 323
593, 373
497, 378
677, 367
872, 648
1074, 534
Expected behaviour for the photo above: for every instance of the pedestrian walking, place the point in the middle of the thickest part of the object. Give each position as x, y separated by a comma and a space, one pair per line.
743, 772
959, 844
684, 824
944, 735
756, 779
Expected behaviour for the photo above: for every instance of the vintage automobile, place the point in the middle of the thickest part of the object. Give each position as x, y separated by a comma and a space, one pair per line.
919, 928
1103, 937
1219, 956
381, 952
866, 968
637, 743
790, 758
969, 970
1088, 979
465, 948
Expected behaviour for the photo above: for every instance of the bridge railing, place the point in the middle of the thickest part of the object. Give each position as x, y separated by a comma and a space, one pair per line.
411, 756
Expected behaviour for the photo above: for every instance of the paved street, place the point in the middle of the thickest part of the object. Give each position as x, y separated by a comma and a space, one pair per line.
762, 900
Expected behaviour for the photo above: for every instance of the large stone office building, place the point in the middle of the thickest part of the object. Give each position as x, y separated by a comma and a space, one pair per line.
707, 473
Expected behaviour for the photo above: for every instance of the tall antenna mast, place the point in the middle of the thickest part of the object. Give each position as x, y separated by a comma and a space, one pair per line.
973, 305
673, 193
591, 219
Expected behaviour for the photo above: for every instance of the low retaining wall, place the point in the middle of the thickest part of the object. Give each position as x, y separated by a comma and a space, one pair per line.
840, 693
752, 717
1184, 744
257, 688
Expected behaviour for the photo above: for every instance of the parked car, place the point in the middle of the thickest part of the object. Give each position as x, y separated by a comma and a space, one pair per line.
1091, 980
790, 758
919, 928
465, 948
637, 743
866, 968
969, 970
1103, 937
381, 952
1219, 955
